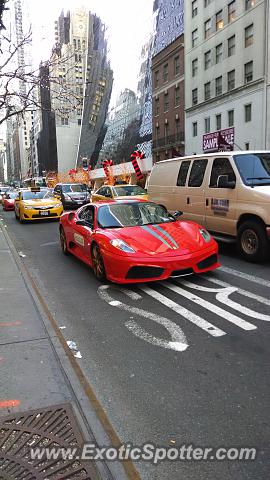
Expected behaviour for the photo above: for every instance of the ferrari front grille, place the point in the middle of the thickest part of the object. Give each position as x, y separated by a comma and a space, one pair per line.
207, 262
144, 272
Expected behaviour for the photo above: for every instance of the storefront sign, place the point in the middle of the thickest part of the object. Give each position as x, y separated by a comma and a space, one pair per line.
220, 141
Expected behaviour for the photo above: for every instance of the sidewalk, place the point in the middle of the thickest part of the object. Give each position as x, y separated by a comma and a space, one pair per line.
35, 374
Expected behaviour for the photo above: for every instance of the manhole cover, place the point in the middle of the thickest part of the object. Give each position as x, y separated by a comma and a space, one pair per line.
50, 427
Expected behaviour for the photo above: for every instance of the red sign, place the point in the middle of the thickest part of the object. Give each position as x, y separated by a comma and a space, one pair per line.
220, 141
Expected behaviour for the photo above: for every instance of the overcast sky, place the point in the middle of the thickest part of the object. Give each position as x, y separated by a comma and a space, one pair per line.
129, 23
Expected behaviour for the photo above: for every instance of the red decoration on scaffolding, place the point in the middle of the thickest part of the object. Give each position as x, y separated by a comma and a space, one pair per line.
106, 164
135, 156
72, 171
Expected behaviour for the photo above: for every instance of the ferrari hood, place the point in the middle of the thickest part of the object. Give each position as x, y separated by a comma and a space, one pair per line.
174, 238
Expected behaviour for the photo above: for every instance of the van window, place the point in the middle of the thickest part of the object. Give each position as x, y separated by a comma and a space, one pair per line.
182, 175
221, 166
197, 173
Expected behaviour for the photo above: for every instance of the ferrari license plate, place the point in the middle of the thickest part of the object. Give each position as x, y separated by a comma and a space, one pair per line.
44, 213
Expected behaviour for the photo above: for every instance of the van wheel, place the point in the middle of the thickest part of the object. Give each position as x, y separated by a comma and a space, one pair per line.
252, 241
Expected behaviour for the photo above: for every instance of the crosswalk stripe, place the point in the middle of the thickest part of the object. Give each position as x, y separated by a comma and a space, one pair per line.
246, 276
192, 317
211, 307
245, 293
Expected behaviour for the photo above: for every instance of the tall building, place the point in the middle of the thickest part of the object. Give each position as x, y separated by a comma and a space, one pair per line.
81, 94
122, 126
2, 160
168, 100
227, 67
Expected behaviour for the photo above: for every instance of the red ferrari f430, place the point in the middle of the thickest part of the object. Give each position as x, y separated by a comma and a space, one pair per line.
136, 241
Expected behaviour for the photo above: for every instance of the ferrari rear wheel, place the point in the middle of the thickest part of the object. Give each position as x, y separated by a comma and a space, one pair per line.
63, 241
98, 264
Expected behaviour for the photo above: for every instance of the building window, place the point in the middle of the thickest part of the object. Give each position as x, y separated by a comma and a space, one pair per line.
207, 2
207, 28
249, 4
231, 118
219, 20
64, 121
79, 121
247, 146
207, 59
231, 46
177, 97
231, 80
218, 85
218, 122
194, 7
157, 106
176, 65
249, 35
207, 91
194, 37
248, 113
194, 67
166, 102
231, 11
248, 72
194, 129
219, 53
207, 125
156, 78
194, 96
165, 72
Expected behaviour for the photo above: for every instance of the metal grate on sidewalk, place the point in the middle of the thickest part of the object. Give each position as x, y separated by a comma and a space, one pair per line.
43, 428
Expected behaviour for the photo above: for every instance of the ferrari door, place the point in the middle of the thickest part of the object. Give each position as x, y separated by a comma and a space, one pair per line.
82, 233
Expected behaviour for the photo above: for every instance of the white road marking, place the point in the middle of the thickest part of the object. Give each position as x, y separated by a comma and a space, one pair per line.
246, 276
211, 307
192, 317
245, 293
222, 295
178, 340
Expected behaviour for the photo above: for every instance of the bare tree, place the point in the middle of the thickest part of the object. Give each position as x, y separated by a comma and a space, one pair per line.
20, 84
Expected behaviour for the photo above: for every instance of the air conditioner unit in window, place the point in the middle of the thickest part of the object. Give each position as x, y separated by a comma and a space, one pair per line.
176, 116
166, 121
165, 92
157, 125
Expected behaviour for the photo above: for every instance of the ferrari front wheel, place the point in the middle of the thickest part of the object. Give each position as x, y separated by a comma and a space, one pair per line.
98, 263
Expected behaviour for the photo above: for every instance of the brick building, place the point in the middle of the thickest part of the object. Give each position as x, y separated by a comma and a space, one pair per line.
168, 100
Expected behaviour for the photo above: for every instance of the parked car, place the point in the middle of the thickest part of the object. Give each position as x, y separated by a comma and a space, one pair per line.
72, 195
119, 192
226, 192
136, 241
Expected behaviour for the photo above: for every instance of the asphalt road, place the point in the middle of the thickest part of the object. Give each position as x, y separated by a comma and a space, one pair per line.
170, 367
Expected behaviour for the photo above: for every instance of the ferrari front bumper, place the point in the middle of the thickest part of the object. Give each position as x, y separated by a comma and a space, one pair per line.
130, 269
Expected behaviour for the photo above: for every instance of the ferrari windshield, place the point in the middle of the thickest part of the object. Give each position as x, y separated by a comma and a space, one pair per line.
132, 215
76, 187
128, 191
28, 195
254, 168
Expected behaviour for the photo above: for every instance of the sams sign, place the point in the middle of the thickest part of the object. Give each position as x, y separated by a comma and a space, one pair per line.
223, 140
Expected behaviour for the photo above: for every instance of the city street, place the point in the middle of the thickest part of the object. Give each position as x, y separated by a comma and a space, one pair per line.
180, 362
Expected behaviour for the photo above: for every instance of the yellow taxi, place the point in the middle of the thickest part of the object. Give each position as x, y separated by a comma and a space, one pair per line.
119, 192
37, 204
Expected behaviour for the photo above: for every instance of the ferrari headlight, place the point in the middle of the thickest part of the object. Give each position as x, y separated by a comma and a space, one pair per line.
206, 235
121, 245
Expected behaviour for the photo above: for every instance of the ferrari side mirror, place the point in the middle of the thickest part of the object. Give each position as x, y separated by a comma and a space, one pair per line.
177, 214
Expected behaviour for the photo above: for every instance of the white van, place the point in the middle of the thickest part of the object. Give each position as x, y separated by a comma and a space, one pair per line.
226, 192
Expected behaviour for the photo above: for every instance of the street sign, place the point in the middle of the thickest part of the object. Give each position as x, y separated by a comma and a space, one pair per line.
222, 140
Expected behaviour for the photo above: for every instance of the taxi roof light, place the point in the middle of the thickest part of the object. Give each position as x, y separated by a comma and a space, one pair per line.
35, 189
